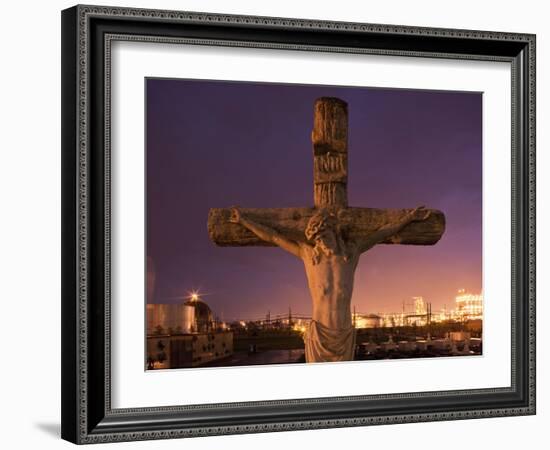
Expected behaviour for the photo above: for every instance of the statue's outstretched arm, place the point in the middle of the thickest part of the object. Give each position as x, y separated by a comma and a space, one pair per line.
265, 233
389, 229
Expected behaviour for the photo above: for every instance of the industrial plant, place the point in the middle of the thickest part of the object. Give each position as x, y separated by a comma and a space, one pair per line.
188, 334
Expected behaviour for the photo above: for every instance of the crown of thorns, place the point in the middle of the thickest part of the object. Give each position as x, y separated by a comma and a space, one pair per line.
319, 222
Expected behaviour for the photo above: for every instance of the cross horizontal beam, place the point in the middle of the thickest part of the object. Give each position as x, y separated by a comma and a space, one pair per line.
356, 223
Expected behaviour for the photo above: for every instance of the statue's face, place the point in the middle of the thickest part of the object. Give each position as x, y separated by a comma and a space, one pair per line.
326, 239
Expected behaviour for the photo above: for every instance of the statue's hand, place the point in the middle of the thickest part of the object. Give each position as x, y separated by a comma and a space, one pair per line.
419, 214
235, 216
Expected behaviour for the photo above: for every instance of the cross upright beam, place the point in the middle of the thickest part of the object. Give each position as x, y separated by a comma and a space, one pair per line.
330, 153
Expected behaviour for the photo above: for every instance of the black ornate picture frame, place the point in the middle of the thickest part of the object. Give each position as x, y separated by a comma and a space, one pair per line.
87, 34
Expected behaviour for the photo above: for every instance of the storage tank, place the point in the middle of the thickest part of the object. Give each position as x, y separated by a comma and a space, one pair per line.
188, 319
202, 315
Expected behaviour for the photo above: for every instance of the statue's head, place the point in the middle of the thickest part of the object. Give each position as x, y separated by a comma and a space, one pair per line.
322, 230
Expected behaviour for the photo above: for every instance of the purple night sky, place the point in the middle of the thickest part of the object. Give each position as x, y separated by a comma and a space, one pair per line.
218, 144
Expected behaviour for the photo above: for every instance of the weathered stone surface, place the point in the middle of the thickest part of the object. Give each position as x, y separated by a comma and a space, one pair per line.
356, 223
330, 126
330, 152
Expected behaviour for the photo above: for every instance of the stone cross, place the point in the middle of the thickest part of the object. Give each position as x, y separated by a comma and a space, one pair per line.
358, 230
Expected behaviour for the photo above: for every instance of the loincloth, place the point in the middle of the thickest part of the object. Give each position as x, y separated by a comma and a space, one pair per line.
328, 344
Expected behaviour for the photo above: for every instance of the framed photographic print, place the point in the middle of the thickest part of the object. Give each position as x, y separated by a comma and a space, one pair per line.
283, 224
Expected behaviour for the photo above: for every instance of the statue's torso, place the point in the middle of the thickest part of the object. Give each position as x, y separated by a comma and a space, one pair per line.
330, 281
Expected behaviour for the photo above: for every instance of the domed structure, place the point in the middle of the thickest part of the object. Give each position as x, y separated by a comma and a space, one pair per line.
203, 315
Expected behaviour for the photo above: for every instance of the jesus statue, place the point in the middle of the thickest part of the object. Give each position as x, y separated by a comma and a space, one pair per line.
330, 258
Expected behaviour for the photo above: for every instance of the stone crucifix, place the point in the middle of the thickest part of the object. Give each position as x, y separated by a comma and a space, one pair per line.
330, 237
